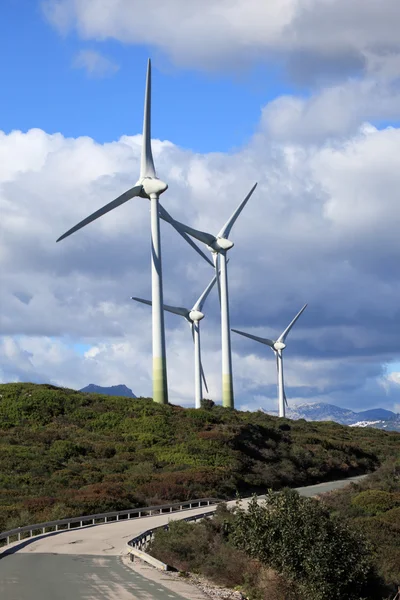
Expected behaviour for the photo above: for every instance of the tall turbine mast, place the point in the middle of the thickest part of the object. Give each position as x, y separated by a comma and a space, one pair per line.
151, 187
193, 316
277, 346
218, 245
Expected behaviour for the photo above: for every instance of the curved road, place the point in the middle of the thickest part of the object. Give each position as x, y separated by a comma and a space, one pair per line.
90, 563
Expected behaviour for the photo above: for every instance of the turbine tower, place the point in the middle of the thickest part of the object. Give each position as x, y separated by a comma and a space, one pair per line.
218, 245
277, 346
151, 187
193, 316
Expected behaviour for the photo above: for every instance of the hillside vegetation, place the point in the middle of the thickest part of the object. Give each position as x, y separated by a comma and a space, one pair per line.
344, 546
64, 453
373, 507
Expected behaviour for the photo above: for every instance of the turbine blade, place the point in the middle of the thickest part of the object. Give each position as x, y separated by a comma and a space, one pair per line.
225, 231
203, 377
141, 300
202, 236
284, 334
200, 302
177, 310
135, 191
167, 217
147, 164
265, 341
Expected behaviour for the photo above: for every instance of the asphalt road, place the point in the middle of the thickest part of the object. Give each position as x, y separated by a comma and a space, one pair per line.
87, 564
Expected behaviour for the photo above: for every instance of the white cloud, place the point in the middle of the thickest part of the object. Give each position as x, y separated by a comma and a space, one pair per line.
315, 36
94, 63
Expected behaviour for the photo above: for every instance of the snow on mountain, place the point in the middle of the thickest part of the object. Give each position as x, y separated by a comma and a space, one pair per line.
379, 418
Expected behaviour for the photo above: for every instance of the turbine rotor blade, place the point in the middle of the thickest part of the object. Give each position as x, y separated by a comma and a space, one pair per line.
284, 334
202, 236
135, 191
265, 341
200, 302
146, 163
177, 310
203, 376
226, 229
167, 217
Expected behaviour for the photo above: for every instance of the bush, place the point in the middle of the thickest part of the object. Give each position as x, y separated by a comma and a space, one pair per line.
374, 502
297, 537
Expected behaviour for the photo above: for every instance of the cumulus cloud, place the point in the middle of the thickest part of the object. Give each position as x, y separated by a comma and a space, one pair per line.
94, 63
318, 39
322, 227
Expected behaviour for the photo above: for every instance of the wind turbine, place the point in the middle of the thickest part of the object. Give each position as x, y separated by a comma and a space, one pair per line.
277, 346
148, 186
193, 316
218, 245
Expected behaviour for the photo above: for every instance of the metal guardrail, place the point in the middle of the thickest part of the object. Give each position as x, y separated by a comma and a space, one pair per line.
110, 517
141, 540
137, 545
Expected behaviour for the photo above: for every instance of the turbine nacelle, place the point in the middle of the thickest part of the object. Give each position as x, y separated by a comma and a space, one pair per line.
279, 346
220, 244
196, 315
152, 186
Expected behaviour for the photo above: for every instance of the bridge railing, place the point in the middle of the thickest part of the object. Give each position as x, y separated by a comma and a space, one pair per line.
29, 531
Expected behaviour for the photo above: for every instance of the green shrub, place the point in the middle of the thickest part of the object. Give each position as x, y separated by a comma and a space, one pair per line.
374, 502
297, 537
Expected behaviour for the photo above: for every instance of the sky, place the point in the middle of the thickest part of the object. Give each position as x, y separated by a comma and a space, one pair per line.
301, 96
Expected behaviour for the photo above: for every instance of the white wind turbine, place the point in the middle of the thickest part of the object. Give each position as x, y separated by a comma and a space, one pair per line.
193, 316
218, 245
148, 186
277, 346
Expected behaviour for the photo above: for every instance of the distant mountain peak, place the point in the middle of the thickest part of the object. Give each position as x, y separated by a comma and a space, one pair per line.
321, 411
113, 390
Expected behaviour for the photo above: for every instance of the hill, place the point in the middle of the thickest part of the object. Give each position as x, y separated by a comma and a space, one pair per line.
114, 390
378, 418
64, 453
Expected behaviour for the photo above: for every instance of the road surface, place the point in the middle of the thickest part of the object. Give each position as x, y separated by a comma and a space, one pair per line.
90, 563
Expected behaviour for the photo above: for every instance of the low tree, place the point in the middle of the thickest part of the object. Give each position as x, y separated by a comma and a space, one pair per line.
298, 537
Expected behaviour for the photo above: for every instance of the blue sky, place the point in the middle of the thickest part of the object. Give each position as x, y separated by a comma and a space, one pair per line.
289, 98
42, 88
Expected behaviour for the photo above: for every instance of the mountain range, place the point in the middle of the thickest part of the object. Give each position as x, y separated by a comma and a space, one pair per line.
114, 390
379, 418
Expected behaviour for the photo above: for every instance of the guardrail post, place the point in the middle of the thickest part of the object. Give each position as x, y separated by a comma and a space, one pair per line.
56, 527
43, 529
69, 526
117, 517
8, 540
19, 537
31, 533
